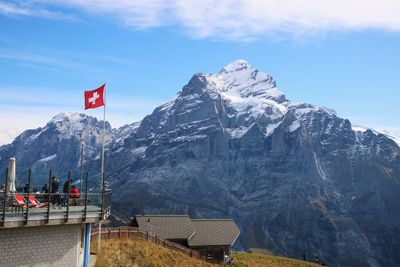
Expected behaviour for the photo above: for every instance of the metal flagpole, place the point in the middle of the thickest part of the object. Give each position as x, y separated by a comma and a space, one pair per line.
102, 166
103, 137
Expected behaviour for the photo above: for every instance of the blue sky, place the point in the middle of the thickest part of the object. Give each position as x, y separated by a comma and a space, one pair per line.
50, 51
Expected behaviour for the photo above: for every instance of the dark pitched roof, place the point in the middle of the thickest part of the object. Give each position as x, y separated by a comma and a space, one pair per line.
214, 232
166, 226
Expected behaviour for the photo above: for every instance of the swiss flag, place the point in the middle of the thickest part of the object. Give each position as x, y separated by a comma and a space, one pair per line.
95, 98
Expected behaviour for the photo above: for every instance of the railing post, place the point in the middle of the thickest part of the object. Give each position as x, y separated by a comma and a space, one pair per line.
27, 200
86, 191
49, 199
5, 199
67, 196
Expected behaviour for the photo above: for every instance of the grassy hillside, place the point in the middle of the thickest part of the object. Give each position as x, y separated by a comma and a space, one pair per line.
259, 260
140, 253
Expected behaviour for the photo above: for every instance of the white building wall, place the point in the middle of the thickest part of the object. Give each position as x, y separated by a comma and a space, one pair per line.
58, 245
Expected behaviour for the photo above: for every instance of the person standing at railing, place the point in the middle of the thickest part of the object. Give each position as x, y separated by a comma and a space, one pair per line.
54, 190
66, 190
74, 195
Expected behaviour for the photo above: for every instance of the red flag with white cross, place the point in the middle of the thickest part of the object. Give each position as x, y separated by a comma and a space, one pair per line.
95, 98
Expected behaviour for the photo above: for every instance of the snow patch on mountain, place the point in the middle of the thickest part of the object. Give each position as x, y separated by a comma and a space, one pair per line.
363, 129
71, 117
241, 79
247, 90
189, 138
302, 109
238, 132
294, 126
48, 158
33, 137
124, 131
138, 151
169, 104
69, 124
271, 128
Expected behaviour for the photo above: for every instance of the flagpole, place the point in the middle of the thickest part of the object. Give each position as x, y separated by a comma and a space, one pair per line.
102, 168
103, 137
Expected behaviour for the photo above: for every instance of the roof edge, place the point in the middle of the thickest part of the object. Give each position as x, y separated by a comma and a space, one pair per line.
158, 215
235, 238
213, 220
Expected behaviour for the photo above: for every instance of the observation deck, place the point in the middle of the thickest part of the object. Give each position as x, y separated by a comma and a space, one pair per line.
33, 208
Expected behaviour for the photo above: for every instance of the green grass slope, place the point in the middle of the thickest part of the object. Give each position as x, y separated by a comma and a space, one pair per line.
141, 253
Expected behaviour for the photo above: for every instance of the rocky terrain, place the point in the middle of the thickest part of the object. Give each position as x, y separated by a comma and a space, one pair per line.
56, 146
297, 178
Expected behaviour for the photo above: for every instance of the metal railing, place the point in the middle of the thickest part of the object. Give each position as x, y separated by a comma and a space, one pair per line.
29, 205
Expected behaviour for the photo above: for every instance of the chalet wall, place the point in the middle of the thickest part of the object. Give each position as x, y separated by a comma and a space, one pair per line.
41, 246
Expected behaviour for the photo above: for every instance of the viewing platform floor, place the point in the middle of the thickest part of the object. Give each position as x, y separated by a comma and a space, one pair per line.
58, 215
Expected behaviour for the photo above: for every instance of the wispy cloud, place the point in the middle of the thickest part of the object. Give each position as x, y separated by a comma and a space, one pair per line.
26, 9
236, 19
37, 59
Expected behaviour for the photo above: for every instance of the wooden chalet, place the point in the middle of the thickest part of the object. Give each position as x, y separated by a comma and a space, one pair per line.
213, 238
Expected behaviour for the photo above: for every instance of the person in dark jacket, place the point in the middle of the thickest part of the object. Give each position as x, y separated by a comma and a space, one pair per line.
66, 189
54, 190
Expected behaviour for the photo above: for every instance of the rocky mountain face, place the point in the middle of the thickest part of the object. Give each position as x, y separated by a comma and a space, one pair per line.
56, 147
296, 178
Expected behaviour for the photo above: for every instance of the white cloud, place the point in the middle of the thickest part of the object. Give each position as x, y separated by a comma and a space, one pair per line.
244, 19
29, 11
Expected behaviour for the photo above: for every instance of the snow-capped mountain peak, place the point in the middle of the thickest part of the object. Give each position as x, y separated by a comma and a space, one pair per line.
69, 124
236, 65
72, 125
248, 91
240, 79
71, 117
